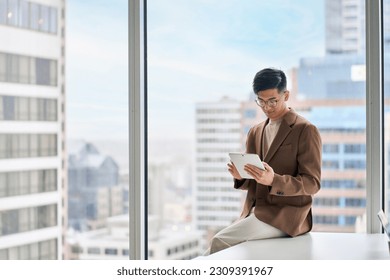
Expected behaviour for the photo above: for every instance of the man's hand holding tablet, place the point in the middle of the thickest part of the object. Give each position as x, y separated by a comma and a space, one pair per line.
240, 160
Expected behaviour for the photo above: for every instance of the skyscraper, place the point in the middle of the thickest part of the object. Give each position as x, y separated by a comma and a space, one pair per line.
345, 26
332, 93
93, 183
218, 131
32, 129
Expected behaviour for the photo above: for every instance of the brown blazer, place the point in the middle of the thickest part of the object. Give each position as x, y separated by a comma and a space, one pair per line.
295, 156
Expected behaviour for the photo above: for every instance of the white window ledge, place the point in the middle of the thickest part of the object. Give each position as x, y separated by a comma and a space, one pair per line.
311, 246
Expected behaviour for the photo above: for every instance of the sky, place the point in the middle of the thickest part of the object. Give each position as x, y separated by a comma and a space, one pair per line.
97, 69
202, 50
198, 51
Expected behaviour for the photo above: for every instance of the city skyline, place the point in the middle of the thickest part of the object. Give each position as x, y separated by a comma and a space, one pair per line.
199, 51
180, 71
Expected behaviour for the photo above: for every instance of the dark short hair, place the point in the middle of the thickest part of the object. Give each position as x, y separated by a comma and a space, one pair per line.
269, 78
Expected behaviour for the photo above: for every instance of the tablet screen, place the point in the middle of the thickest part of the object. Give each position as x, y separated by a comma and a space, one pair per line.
240, 160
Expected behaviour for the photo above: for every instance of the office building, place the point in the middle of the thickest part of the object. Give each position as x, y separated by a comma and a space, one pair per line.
94, 190
112, 242
342, 199
108, 243
179, 242
218, 131
32, 129
345, 26
331, 92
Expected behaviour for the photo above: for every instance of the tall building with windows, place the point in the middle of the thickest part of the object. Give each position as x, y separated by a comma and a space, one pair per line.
94, 192
345, 26
32, 129
340, 205
331, 92
218, 131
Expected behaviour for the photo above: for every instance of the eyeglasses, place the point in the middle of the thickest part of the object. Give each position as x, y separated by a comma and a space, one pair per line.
270, 103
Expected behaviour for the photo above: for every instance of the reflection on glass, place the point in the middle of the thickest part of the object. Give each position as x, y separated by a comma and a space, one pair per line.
201, 62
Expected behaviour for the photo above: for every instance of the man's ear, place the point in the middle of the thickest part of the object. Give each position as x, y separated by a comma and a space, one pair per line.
286, 95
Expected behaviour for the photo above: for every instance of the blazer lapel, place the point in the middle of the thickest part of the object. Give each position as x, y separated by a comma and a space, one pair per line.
284, 130
259, 140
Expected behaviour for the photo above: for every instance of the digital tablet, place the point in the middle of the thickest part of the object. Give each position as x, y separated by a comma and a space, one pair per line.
240, 160
385, 223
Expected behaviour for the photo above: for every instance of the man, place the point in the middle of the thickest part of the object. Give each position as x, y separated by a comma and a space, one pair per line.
279, 199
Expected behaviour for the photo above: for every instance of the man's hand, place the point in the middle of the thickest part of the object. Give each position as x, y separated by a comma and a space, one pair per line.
264, 177
233, 170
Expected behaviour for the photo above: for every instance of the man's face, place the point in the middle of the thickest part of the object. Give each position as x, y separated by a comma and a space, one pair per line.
273, 103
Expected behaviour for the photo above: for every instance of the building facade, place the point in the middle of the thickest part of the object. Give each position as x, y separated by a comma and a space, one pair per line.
94, 190
32, 129
108, 243
218, 131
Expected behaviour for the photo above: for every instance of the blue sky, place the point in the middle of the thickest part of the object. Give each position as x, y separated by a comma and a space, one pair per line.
198, 50
201, 50
97, 69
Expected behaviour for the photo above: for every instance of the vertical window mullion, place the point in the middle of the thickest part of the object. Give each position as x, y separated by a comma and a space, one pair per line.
374, 87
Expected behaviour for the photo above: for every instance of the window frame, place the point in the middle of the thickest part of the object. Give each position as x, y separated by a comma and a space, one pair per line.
137, 131
374, 114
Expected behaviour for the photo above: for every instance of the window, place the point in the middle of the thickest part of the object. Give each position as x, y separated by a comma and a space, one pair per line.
44, 250
44, 19
3, 12
26, 219
93, 251
13, 12
24, 18
34, 16
27, 70
326, 87
111, 251
96, 119
26, 14
27, 145
330, 148
53, 20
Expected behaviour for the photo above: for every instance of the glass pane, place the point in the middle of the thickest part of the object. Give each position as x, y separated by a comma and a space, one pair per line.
44, 19
34, 114
97, 125
53, 73
22, 108
53, 20
34, 16
24, 69
35, 184
3, 186
386, 88
13, 12
34, 145
3, 12
23, 146
24, 14
3, 67
42, 71
13, 68
201, 62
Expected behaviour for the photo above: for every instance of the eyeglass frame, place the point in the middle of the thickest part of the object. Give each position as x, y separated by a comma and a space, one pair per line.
268, 102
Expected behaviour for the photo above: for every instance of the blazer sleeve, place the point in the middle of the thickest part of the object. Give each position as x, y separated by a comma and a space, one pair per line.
308, 178
251, 149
